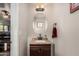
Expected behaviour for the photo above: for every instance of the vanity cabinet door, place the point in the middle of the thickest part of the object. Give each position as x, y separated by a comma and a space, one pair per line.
40, 50
46, 51
35, 51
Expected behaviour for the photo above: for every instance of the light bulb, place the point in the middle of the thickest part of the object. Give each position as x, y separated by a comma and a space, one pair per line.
37, 6
5, 16
42, 6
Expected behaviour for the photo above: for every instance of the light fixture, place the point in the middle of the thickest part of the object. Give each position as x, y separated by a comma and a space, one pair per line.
5, 14
40, 7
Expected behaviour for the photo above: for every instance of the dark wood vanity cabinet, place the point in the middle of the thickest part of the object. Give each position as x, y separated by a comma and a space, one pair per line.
40, 49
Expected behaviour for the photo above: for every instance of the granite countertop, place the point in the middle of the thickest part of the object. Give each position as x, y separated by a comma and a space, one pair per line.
40, 42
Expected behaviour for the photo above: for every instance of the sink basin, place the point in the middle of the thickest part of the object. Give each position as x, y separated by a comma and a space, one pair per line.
40, 41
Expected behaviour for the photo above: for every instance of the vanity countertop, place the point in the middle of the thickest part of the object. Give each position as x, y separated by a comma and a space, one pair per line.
40, 42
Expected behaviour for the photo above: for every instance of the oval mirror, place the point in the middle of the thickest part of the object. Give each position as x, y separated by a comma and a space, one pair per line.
40, 23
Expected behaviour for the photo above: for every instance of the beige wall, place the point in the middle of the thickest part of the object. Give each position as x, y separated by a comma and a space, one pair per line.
68, 40
23, 17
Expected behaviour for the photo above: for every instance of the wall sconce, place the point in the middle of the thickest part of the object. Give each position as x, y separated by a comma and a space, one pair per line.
40, 7
5, 14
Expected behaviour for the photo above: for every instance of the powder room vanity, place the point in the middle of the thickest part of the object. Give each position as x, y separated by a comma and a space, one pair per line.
40, 48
